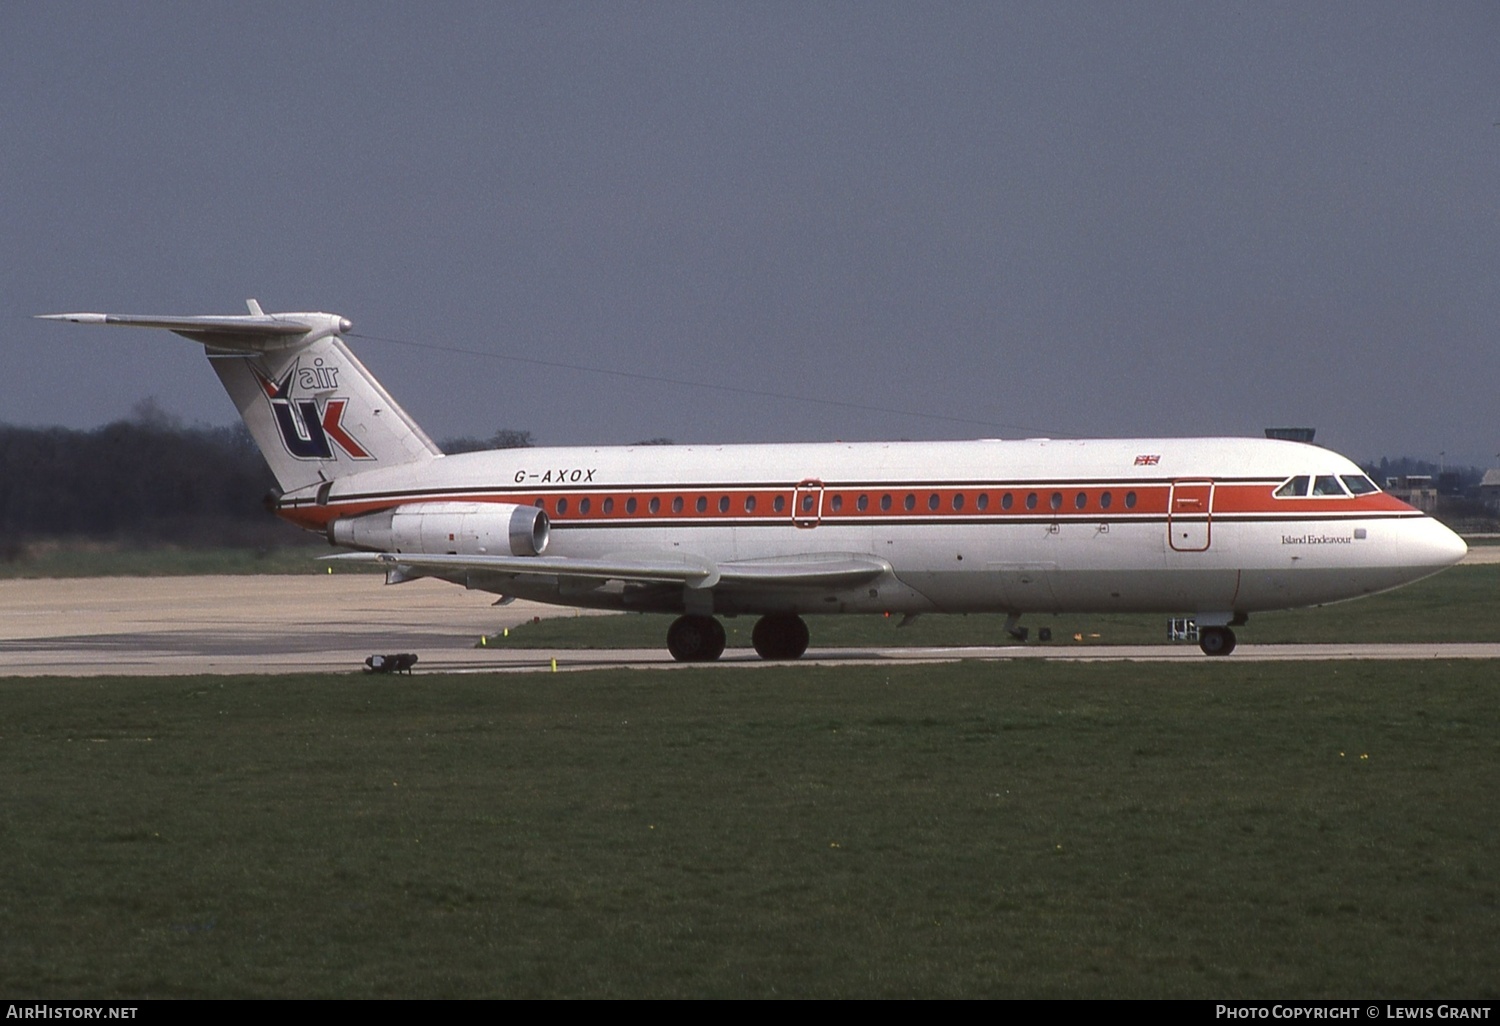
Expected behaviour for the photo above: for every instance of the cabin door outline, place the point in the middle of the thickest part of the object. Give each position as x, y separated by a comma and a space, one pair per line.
1190, 515
807, 503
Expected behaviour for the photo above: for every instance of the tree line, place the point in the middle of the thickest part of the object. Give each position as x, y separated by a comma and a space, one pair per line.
150, 479
135, 480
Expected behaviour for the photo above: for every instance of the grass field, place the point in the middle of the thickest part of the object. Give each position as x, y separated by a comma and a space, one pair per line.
1213, 830
1460, 604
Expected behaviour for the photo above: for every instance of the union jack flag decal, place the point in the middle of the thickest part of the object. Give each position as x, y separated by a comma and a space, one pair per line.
1147, 461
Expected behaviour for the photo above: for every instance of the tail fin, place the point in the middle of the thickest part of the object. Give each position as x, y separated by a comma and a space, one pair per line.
312, 407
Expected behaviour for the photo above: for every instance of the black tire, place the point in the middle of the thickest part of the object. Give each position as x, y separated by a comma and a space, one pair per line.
695, 639
780, 636
1216, 641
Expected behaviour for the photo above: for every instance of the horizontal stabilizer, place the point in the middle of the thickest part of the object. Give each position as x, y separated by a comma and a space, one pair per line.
245, 333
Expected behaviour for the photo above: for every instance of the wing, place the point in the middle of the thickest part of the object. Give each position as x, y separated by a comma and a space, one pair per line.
822, 569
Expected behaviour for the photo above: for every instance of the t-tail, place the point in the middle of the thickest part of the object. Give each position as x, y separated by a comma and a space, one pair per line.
312, 407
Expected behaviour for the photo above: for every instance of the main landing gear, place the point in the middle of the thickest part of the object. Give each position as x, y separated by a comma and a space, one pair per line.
700, 639
695, 639
780, 637
1216, 641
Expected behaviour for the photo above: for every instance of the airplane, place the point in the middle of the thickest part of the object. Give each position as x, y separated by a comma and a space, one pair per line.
1212, 528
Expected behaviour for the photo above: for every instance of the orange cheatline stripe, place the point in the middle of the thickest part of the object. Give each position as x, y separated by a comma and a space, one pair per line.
842, 504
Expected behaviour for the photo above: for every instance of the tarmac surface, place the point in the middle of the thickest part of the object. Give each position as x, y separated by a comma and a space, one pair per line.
163, 626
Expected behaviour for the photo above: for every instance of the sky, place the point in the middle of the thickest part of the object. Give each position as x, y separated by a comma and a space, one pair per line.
784, 221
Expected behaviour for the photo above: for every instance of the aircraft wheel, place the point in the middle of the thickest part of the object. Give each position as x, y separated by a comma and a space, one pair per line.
1216, 641
780, 636
695, 639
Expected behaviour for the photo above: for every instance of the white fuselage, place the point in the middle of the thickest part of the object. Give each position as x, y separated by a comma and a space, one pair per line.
1169, 525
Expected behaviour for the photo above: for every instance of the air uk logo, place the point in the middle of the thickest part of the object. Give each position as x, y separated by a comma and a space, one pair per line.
311, 427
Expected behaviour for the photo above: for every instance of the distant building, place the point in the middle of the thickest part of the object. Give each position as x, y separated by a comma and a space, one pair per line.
1489, 490
1415, 490
1292, 434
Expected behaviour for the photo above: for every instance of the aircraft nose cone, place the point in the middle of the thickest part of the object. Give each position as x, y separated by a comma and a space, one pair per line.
1456, 548
1436, 546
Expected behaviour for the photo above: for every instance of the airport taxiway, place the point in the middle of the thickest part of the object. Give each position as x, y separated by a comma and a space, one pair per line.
162, 626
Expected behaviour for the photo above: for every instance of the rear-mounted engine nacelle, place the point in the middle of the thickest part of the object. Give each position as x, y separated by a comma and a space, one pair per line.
465, 528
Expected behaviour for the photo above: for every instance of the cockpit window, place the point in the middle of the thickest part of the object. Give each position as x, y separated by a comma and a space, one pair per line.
1294, 488
1326, 486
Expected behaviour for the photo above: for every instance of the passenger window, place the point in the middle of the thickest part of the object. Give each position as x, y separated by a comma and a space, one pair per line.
1358, 484
958, 500
932, 501
630, 504
862, 503
885, 502
807, 502
1130, 500
702, 504
1105, 500
1007, 501
609, 505
1327, 484
584, 505
654, 505
779, 503
749, 504
677, 504
1294, 488
910, 502
1056, 500
562, 506
837, 503
1031, 500
723, 504
1080, 500
983, 502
